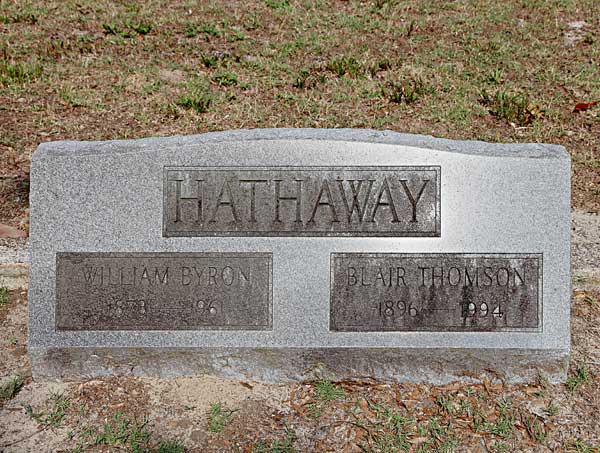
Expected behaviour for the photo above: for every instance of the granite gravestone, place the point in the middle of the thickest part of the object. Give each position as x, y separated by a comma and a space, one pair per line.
281, 254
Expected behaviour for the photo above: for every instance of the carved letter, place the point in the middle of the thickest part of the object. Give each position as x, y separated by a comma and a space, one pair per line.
253, 183
385, 188
355, 193
220, 202
179, 198
413, 200
324, 189
297, 199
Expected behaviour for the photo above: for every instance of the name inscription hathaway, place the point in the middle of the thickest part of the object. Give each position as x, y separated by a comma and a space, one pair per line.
302, 201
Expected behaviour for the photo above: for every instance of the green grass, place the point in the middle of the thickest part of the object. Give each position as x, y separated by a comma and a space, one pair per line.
580, 376
345, 66
327, 391
171, 446
218, 417
55, 415
285, 445
582, 447
513, 108
122, 433
225, 78
11, 388
19, 72
3, 295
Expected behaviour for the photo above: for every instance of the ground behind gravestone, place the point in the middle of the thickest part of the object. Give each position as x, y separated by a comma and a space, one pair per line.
510, 71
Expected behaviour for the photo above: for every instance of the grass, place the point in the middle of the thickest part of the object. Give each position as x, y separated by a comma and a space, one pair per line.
513, 108
578, 378
218, 417
54, 416
285, 445
121, 432
454, 70
19, 72
346, 66
326, 391
3, 295
407, 91
11, 388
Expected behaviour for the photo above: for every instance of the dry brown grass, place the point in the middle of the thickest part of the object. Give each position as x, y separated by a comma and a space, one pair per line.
85, 70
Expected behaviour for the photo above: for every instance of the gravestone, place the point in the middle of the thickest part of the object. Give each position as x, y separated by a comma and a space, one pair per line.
287, 254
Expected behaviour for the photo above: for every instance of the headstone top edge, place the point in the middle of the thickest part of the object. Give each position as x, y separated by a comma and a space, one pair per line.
480, 148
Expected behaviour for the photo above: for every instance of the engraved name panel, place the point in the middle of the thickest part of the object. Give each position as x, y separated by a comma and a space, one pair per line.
301, 201
163, 291
435, 292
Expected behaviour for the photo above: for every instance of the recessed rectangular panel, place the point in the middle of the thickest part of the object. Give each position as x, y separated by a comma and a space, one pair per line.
435, 292
302, 201
163, 291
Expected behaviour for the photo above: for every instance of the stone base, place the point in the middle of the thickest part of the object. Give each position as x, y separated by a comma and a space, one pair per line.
435, 366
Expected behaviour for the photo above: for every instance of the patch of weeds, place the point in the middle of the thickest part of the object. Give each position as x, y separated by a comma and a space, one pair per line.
128, 30
121, 433
327, 391
210, 61
225, 78
552, 409
407, 91
345, 67
238, 35
504, 424
307, 78
581, 447
218, 417
588, 39
209, 30
12, 388
251, 21
20, 17
191, 30
171, 446
113, 29
596, 190
198, 98
3, 295
535, 429
383, 64
445, 403
314, 410
19, 72
581, 376
277, 446
141, 28
494, 77
124, 432
500, 446
55, 415
278, 4
513, 108
394, 431
441, 440
591, 300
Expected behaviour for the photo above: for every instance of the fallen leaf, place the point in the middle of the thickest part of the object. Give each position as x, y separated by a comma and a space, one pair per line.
582, 106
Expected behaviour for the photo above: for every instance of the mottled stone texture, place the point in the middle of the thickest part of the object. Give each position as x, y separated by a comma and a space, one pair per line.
493, 200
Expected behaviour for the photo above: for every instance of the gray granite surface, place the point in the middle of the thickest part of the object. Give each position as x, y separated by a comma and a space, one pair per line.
108, 197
